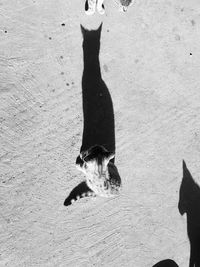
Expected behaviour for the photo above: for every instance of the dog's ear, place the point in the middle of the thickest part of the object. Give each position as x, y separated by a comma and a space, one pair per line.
83, 30
100, 28
110, 156
189, 192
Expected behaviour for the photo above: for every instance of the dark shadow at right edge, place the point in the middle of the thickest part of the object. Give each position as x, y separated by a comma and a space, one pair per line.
189, 203
166, 263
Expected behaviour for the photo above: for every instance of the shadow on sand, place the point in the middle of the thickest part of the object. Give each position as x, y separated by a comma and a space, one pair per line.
97, 103
166, 263
99, 127
189, 203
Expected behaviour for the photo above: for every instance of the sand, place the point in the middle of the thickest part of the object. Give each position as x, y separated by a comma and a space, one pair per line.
150, 62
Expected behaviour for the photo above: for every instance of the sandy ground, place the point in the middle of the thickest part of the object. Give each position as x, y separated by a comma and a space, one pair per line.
150, 62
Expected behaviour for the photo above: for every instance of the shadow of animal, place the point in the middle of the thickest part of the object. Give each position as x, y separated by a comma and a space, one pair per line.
166, 263
189, 203
98, 111
97, 153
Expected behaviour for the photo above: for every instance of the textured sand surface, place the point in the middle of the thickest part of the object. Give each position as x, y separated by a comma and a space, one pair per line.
150, 61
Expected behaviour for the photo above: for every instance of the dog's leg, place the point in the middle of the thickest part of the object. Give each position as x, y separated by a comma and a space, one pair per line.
100, 7
90, 7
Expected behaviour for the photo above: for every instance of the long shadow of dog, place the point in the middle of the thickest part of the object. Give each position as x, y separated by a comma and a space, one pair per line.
189, 203
96, 158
